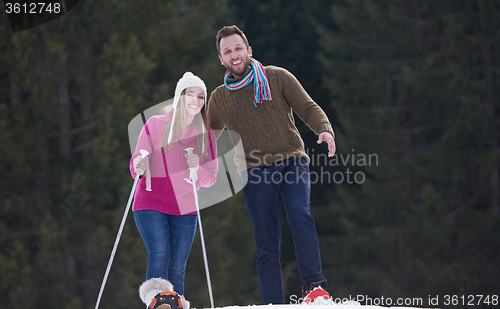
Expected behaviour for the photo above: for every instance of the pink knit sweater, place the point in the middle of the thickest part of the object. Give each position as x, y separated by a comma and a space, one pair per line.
171, 194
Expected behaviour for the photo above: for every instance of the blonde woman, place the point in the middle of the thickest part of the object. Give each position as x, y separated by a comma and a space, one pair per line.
164, 206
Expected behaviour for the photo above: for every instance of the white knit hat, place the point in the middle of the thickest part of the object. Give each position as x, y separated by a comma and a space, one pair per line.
187, 80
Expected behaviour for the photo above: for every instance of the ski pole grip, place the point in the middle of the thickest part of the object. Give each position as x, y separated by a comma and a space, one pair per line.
144, 154
192, 170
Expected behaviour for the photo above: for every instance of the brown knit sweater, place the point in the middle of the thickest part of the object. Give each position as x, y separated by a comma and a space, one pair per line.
268, 132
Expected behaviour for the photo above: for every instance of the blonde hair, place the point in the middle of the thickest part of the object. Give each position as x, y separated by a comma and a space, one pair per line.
179, 127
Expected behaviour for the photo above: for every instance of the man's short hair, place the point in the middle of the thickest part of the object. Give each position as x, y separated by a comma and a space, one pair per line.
227, 31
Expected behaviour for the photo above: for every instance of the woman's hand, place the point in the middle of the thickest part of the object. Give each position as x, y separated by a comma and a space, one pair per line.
193, 160
139, 163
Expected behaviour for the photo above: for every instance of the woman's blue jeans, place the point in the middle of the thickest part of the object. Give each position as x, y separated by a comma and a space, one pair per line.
168, 240
286, 182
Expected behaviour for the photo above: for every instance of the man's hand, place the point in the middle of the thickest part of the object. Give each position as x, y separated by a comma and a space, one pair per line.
327, 137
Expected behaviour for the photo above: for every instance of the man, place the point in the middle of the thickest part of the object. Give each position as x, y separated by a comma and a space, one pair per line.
258, 103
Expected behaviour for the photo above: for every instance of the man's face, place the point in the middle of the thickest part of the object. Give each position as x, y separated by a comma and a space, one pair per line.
234, 54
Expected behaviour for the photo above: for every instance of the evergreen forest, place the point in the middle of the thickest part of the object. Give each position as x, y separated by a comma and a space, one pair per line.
408, 208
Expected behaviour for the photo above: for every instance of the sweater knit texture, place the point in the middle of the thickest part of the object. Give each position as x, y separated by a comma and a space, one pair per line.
267, 131
171, 194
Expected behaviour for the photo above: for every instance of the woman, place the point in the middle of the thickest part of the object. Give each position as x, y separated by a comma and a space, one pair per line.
164, 206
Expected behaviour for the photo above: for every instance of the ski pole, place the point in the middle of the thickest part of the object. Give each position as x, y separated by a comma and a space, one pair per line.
139, 172
193, 177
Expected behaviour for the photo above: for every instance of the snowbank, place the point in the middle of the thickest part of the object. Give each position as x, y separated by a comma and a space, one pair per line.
312, 306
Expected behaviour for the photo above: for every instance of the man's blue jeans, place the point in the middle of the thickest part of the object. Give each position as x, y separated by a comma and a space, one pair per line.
286, 182
168, 240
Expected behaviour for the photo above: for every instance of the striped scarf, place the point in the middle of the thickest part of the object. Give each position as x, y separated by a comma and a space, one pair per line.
260, 86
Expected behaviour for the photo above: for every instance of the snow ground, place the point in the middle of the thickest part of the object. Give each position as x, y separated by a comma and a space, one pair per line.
312, 306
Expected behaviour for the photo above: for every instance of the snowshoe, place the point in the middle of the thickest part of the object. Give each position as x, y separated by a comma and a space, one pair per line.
166, 300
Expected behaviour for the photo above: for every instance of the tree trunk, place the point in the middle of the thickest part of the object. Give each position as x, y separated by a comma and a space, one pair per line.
15, 94
65, 122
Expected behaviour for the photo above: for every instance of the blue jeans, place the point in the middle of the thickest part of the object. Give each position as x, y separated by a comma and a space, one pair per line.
168, 240
288, 183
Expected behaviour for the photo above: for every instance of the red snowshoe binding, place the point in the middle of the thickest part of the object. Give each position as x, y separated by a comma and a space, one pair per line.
166, 300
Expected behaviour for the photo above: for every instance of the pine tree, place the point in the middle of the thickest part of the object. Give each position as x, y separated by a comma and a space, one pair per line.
413, 82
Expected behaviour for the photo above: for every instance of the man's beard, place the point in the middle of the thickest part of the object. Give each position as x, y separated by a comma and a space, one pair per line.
246, 63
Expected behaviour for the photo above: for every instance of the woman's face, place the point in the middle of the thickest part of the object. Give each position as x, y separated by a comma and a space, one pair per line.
194, 99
